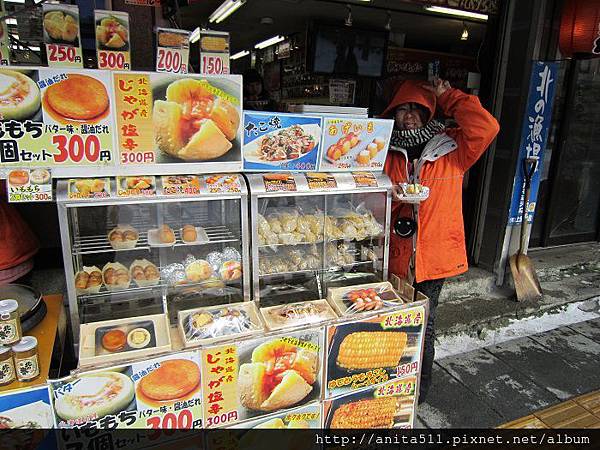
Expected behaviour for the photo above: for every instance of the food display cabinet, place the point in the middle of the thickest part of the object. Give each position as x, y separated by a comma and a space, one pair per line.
138, 250
315, 231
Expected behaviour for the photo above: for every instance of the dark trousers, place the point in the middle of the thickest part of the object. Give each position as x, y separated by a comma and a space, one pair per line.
431, 289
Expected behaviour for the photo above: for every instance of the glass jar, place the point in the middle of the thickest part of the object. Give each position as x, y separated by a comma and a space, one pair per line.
7, 366
10, 322
27, 364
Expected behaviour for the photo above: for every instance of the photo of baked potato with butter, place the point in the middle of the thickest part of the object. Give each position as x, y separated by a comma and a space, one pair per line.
62, 27
196, 121
279, 375
112, 34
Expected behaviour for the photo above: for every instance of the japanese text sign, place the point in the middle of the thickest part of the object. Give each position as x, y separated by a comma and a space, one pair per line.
62, 36
112, 40
172, 50
214, 52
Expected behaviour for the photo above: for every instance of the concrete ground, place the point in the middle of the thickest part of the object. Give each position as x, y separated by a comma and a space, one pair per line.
490, 386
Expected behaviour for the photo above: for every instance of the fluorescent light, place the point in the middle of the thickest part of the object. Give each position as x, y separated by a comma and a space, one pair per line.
11, 21
195, 36
239, 55
456, 12
34, 48
268, 42
14, 1
227, 8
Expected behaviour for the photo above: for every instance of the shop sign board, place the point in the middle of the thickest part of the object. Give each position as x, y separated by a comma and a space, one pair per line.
154, 130
390, 405
88, 188
214, 52
26, 408
163, 392
113, 46
256, 377
398, 335
172, 50
534, 135
29, 185
62, 36
281, 142
354, 144
308, 416
63, 119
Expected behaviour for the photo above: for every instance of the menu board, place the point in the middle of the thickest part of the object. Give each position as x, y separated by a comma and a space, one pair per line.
320, 180
390, 405
56, 118
371, 351
214, 52
181, 185
140, 186
281, 142
308, 416
62, 36
26, 185
166, 119
279, 182
249, 379
112, 40
88, 188
26, 408
162, 392
355, 144
172, 50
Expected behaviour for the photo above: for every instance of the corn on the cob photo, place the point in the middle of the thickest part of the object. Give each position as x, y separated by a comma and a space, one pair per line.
368, 413
371, 349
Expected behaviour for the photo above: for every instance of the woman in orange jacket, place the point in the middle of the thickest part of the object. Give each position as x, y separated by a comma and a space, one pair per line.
427, 244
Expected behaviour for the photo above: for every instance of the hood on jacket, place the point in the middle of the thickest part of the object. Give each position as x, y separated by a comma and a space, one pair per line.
412, 91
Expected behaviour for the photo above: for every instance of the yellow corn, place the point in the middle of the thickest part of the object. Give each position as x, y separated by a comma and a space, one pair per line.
371, 349
370, 413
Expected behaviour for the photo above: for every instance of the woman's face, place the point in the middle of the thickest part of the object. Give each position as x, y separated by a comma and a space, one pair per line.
253, 89
410, 116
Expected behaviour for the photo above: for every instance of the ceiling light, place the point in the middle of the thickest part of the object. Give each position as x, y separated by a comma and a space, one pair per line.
268, 42
195, 36
465, 33
456, 12
239, 55
227, 8
348, 21
11, 21
14, 1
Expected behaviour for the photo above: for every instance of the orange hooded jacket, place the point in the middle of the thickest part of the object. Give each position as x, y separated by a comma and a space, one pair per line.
440, 239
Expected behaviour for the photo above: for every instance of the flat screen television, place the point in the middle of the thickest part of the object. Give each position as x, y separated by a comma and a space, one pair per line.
347, 50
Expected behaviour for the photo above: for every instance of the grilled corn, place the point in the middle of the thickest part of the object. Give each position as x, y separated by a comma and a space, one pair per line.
371, 349
370, 413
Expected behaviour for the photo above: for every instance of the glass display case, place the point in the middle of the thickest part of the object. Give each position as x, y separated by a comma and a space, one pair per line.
314, 231
138, 250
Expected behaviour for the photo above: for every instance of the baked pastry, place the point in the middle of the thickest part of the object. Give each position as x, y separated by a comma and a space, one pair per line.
189, 234
137, 273
88, 280
174, 379
363, 158
81, 280
371, 350
193, 123
116, 276
110, 276
20, 95
369, 413
279, 376
123, 237
199, 270
79, 97
95, 279
200, 320
114, 340
231, 270
166, 235
151, 272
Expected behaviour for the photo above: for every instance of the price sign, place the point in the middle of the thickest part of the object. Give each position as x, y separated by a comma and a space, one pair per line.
172, 51
113, 60
61, 35
76, 148
112, 40
25, 185
214, 64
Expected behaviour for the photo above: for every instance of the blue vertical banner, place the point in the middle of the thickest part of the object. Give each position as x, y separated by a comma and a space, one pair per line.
534, 135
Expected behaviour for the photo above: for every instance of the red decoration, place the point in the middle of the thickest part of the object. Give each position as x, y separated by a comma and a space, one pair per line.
580, 28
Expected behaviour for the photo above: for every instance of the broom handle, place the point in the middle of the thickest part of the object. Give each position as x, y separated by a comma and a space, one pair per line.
529, 166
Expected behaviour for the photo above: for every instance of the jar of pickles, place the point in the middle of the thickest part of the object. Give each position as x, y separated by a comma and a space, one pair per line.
27, 364
10, 322
7, 366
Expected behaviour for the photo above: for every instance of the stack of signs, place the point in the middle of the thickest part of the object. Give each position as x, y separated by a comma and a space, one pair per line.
62, 36
281, 142
256, 378
158, 393
355, 144
172, 50
112, 40
373, 365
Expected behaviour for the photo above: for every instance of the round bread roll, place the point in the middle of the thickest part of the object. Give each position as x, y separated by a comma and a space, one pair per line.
166, 235
189, 233
81, 280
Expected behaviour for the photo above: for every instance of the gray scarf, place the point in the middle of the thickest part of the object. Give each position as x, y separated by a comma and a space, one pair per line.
419, 136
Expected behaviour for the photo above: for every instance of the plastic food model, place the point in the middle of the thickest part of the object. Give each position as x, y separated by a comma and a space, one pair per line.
111, 33
60, 26
289, 143
194, 124
188, 233
166, 234
123, 237
138, 338
278, 376
88, 280
144, 273
343, 146
371, 349
231, 270
277, 317
19, 95
116, 276
114, 340
369, 413
364, 300
414, 189
198, 271
205, 324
